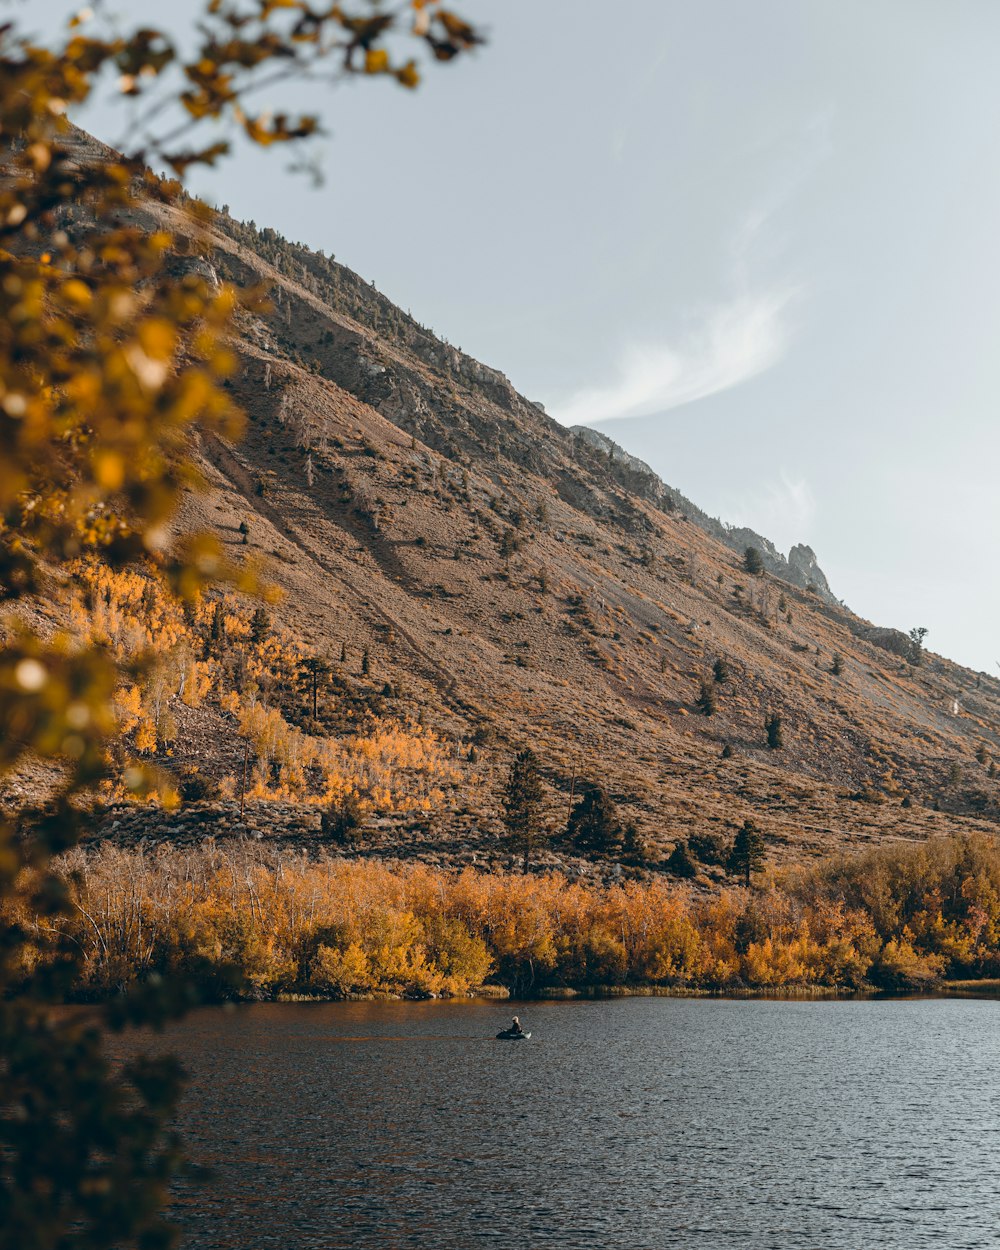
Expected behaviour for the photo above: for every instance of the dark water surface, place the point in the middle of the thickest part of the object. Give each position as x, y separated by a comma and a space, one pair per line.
634, 1123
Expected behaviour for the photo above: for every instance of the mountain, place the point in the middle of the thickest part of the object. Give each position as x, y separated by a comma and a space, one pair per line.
504, 581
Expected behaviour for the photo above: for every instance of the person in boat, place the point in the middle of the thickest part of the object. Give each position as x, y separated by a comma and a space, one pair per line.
515, 1026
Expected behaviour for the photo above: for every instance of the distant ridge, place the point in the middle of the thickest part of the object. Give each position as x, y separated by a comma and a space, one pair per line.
800, 567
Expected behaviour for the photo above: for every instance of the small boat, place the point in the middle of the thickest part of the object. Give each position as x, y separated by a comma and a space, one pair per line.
508, 1035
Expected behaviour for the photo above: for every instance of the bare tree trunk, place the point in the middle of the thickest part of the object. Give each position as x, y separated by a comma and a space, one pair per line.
243, 788
572, 792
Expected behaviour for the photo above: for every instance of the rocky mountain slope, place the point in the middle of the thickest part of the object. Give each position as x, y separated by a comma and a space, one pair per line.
800, 567
514, 582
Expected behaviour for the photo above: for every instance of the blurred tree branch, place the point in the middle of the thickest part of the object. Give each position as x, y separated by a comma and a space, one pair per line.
107, 362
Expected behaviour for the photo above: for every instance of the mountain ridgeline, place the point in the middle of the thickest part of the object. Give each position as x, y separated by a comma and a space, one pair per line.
800, 568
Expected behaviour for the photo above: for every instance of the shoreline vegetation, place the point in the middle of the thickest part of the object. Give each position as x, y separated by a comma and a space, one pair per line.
242, 923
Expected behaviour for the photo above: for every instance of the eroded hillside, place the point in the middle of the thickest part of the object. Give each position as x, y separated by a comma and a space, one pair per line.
503, 580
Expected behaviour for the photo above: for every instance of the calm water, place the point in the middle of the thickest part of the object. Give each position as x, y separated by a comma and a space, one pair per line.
636, 1123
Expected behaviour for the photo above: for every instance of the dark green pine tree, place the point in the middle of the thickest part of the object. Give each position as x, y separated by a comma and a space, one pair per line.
217, 631
706, 701
680, 862
594, 825
260, 625
772, 727
522, 804
747, 854
753, 561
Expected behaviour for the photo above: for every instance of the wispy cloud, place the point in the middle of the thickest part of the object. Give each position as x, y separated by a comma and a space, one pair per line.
783, 509
733, 342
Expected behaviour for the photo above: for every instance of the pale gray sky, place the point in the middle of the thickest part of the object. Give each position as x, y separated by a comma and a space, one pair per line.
755, 241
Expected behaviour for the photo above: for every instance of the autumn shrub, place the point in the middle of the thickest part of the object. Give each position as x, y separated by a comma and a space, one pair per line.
897, 918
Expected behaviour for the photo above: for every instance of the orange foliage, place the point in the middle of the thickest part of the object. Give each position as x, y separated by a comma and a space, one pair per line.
339, 927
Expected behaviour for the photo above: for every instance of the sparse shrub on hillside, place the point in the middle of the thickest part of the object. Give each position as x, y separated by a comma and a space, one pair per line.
195, 786
982, 753
747, 854
837, 664
727, 751
753, 561
773, 730
342, 819
244, 532
706, 700
594, 827
366, 663
782, 603
954, 774
868, 794
720, 671
635, 849
917, 636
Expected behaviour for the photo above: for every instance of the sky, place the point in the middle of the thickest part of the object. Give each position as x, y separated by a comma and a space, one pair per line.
757, 242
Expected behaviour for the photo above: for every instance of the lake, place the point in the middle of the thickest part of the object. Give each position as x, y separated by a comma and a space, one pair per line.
633, 1123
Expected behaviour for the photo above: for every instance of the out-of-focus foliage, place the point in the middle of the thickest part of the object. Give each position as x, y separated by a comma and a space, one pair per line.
113, 345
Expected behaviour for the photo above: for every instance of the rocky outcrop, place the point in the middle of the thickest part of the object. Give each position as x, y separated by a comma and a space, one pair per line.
806, 571
892, 640
800, 568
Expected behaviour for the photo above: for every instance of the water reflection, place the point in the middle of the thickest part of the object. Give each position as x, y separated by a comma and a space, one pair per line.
636, 1124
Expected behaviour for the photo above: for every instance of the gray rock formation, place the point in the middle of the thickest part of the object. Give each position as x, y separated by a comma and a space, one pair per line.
892, 640
802, 563
800, 568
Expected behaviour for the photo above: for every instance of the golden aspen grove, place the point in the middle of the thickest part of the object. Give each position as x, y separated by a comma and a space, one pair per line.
898, 919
